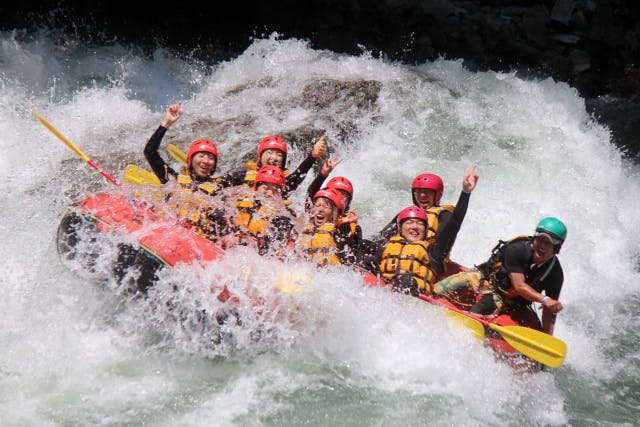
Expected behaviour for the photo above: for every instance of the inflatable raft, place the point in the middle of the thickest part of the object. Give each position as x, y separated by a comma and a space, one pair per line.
141, 243
141, 239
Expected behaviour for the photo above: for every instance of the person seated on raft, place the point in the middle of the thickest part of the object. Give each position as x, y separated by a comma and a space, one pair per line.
516, 274
410, 261
272, 150
262, 218
347, 228
318, 240
202, 158
426, 192
196, 180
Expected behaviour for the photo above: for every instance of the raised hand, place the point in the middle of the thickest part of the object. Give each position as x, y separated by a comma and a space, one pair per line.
173, 114
329, 165
320, 147
470, 179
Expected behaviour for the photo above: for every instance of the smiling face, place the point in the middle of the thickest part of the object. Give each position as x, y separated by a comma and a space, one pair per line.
425, 197
269, 190
543, 249
273, 157
413, 229
324, 211
203, 164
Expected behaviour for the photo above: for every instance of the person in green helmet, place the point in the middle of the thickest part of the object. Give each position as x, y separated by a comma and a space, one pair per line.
519, 272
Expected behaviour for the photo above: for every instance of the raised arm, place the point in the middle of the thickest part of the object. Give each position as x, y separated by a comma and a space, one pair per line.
158, 165
447, 235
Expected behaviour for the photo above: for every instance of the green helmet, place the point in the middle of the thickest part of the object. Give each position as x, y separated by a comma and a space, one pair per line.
554, 227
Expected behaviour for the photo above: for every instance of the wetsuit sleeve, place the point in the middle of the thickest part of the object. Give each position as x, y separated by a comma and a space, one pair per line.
370, 254
446, 236
315, 185
281, 229
159, 167
231, 179
218, 223
312, 190
295, 178
349, 243
443, 218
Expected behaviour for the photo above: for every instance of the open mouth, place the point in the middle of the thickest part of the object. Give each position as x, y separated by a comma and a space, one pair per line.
319, 219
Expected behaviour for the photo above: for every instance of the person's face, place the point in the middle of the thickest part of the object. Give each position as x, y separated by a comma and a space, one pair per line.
269, 190
412, 229
543, 249
425, 197
203, 164
273, 157
323, 211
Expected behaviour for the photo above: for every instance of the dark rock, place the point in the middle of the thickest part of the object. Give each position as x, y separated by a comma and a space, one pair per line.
567, 38
562, 11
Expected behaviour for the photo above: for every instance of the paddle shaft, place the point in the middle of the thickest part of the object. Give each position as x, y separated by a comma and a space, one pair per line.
76, 150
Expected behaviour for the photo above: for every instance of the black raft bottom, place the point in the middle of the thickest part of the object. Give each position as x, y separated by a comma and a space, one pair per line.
80, 243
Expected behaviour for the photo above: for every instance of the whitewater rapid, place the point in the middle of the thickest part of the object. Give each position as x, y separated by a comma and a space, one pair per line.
74, 353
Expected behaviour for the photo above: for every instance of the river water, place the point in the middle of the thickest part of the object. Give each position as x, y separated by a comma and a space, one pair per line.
72, 352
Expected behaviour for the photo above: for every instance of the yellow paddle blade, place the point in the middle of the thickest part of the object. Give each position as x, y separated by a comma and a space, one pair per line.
177, 153
135, 175
476, 327
537, 345
292, 282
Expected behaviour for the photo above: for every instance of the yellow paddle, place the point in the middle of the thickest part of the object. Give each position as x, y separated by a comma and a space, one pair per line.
76, 149
476, 327
537, 345
291, 282
177, 153
135, 175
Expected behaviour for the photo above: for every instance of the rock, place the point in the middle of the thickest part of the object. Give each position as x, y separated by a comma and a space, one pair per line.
581, 60
562, 11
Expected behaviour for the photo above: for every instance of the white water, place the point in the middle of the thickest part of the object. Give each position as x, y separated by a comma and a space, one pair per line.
73, 353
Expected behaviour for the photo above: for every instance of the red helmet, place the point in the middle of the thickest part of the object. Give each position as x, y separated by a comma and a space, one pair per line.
272, 142
341, 183
412, 212
272, 174
428, 181
199, 146
334, 195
